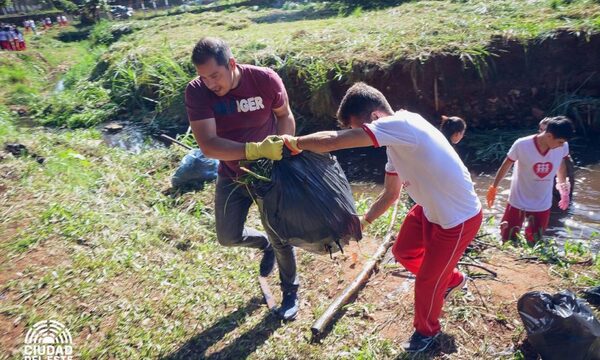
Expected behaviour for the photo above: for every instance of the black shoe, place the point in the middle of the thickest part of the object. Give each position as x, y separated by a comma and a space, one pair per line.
289, 306
460, 286
267, 263
419, 343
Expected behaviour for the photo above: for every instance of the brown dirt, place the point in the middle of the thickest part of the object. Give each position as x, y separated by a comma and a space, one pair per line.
27, 265
387, 299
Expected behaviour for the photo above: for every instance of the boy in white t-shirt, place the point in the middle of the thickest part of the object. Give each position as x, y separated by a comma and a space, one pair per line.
447, 214
539, 158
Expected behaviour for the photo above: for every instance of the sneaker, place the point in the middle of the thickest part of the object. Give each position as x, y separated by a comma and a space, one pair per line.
419, 343
267, 263
289, 306
460, 286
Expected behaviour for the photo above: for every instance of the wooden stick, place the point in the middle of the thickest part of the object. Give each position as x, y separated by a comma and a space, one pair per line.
357, 284
492, 272
167, 137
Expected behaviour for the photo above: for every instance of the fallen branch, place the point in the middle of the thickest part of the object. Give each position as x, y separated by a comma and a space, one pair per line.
492, 272
357, 284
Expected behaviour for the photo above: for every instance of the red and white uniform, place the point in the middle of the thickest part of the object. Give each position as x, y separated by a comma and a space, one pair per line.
431, 170
533, 175
447, 216
531, 187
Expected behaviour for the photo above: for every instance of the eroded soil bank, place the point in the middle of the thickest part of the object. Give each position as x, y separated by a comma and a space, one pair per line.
506, 84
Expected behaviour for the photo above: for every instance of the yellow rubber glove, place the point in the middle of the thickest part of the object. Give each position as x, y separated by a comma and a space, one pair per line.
291, 142
491, 195
271, 148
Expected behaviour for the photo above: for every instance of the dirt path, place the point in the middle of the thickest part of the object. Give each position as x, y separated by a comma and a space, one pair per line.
484, 321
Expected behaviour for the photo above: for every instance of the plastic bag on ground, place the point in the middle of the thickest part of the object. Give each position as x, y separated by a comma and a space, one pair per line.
560, 326
592, 295
309, 203
194, 169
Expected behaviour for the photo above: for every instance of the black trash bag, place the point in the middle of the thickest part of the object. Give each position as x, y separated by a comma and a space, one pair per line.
592, 295
195, 168
560, 326
309, 203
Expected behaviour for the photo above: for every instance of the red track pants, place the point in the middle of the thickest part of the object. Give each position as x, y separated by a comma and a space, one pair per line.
431, 253
514, 217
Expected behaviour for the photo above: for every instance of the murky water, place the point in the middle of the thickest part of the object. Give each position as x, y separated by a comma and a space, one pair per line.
581, 221
133, 137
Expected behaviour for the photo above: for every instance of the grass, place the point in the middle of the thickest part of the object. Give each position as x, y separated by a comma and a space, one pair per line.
91, 239
307, 43
138, 294
411, 30
25, 75
313, 45
135, 273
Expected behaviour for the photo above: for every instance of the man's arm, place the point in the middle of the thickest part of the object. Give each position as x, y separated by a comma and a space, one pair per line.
286, 125
213, 146
391, 191
326, 141
501, 173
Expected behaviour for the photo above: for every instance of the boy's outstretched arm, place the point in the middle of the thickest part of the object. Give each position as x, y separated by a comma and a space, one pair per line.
326, 141
500, 174
391, 191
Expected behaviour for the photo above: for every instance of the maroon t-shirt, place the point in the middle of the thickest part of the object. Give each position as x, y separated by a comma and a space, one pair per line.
244, 114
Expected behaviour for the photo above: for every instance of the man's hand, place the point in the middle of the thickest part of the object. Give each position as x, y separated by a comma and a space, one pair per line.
564, 190
291, 142
491, 195
270, 148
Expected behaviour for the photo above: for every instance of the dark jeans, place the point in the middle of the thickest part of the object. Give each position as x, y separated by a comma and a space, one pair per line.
232, 203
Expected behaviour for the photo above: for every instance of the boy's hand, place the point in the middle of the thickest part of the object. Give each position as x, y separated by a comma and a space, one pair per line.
270, 148
491, 195
291, 142
564, 190
364, 222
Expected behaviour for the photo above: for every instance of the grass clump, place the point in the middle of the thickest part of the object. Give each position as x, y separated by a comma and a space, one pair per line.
106, 32
84, 105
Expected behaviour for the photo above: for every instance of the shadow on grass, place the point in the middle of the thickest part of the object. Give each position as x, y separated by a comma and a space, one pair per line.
80, 33
240, 348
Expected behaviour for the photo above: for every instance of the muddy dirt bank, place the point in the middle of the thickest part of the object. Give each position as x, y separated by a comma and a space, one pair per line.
508, 84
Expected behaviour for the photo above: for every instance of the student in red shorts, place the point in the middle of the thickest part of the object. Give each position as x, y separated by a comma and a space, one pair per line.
539, 158
447, 214
5, 38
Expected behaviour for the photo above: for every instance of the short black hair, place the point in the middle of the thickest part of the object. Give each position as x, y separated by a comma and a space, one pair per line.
360, 101
561, 127
209, 47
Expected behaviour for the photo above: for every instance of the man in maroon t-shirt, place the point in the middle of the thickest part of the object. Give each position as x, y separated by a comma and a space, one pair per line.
234, 112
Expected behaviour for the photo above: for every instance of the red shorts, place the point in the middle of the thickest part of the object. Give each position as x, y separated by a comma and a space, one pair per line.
512, 221
5, 44
431, 253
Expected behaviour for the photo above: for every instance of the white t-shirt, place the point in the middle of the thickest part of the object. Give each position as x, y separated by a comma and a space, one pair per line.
430, 169
531, 186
